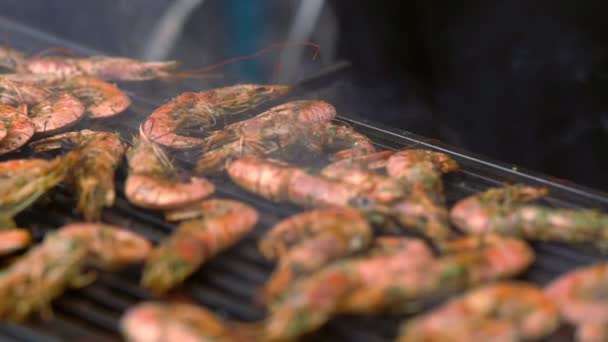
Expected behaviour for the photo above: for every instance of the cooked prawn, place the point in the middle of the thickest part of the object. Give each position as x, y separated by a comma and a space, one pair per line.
101, 99
13, 240
504, 211
283, 183
346, 141
507, 311
277, 131
397, 279
422, 167
15, 93
23, 181
45, 271
20, 128
219, 225
199, 111
56, 112
179, 322
93, 175
580, 295
109, 247
153, 182
50, 110
102, 67
313, 300
367, 162
305, 242
280, 182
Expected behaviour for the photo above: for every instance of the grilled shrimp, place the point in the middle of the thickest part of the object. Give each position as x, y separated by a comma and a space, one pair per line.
283, 183
276, 131
102, 67
217, 225
178, 322
153, 182
312, 301
56, 112
366, 162
20, 128
108, 247
422, 167
13, 240
580, 295
101, 99
467, 262
504, 211
14, 93
359, 172
271, 122
49, 110
45, 271
346, 141
23, 181
394, 280
280, 182
169, 124
305, 242
506, 311
93, 175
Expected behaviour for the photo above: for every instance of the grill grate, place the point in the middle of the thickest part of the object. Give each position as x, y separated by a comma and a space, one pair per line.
228, 283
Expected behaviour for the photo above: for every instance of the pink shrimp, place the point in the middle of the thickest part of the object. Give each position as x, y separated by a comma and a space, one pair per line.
154, 183
217, 225
507, 311
20, 128
305, 242
199, 111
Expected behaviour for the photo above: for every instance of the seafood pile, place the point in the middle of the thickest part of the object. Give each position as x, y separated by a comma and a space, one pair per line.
374, 234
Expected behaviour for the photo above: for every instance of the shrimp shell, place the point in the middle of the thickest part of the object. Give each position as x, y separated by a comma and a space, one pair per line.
102, 99
102, 67
474, 214
15, 93
580, 294
305, 242
23, 181
221, 225
515, 310
92, 178
20, 129
153, 193
313, 300
31, 283
13, 240
201, 110
109, 247
155, 321
152, 182
58, 111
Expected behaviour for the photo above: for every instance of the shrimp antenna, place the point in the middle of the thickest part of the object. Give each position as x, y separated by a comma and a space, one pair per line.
274, 46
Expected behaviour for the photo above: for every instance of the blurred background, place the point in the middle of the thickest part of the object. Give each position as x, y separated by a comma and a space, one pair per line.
519, 81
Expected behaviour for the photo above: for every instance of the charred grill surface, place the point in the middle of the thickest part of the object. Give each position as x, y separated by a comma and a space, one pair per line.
228, 283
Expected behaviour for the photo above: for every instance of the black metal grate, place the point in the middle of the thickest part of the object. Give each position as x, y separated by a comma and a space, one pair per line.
227, 283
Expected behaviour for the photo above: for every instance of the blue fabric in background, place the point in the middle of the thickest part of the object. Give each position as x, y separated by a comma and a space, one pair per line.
246, 25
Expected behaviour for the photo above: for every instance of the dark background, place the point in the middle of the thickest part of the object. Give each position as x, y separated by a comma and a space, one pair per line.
520, 81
